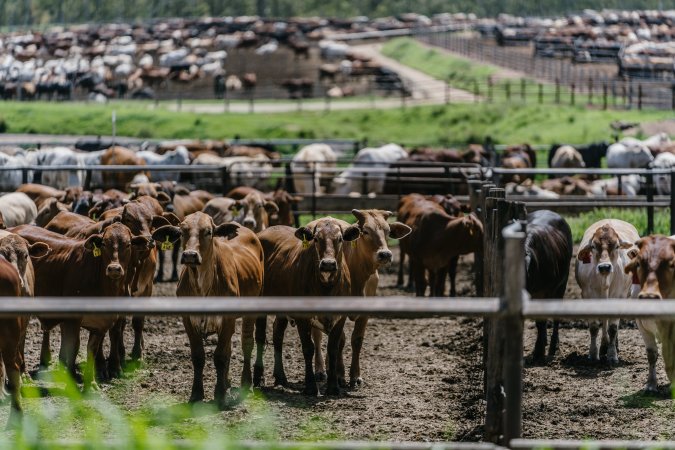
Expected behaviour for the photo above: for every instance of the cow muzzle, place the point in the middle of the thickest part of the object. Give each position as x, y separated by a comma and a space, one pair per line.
114, 271
650, 295
605, 268
249, 223
384, 256
191, 258
328, 265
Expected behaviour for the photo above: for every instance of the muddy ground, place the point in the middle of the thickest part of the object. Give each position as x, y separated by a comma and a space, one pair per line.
422, 383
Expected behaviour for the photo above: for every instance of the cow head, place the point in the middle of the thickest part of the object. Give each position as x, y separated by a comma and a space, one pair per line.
114, 246
17, 252
603, 250
153, 190
256, 211
284, 202
197, 232
326, 240
374, 233
654, 267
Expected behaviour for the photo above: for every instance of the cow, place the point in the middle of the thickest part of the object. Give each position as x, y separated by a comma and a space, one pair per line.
177, 157
663, 161
40, 193
364, 259
224, 260
12, 332
50, 209
605, 249
244, 150
529, 189
567, 186
17, 208
282, 198
548, 251
57, 156
592, 154
368, 163
221, 210
567, 157
255, 211
652, 273
243, 170
630, 186
119, 156
436, 238
629, 153
83, 268
308, 262
11, 179
518, 157
308, 166
77, 226
20, 254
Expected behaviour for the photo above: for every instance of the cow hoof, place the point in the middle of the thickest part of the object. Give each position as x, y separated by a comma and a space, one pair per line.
613, 361
651, 390
258, 376
174, 277
196, 397
320, 376
136, 355
356, 383
333, 390
342, 382
115, 373
159, 279
311, 390
280, 380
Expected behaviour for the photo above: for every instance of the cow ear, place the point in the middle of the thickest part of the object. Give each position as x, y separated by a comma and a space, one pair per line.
271, 207
625, 244
304, 234
166, 233
159, 221
584, 253
95, 240
399, 230
228, 230
172, 218
182, 190
38, 250
163, 197
142, 243
352, 233
631, 267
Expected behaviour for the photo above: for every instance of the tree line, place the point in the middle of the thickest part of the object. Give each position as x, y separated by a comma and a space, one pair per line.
15, 13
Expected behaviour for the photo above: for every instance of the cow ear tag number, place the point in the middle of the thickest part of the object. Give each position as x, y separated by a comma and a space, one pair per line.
166, 245
305, 243
96, 251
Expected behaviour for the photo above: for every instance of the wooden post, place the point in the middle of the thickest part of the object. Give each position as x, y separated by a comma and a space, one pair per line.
507, 87
590, 90
672, 97
512, 305
672, 202
650, 201
557, 91
541, 93
225, 180
572, 95
489, 87
639, 96
522, 89
604, 96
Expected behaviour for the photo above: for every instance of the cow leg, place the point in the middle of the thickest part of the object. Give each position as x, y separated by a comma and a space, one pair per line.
137, 323
70, 346
340, 363
101, 371
94, 349
612, 332
336, 334
553, 348
117, 352
174, 261
221, 359
12, 368
260, 341
452, 275
401, 263
439, 282
411, 277
594, 327
45, 351
278, 330
305, 333
420, 281
160, 264
649, 339
319, 366
198, 360
358, 334
540, 345
247, 330
22, 347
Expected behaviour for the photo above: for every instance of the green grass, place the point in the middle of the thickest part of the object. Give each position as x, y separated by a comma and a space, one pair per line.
637, 217
425, 125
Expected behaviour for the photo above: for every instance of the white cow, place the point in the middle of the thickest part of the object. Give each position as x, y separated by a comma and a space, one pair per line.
630, 186
663, 161
606, 248
58, 156
313, 158
528, 189
16, 209
243, 170
92, 159
177, 157
368, 162
628, 153
567, 157
11, 179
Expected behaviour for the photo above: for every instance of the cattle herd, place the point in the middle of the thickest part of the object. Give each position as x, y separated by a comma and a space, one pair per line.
59, 239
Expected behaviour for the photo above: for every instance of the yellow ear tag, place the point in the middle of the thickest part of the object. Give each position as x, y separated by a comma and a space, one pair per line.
96, 251
353, 244
166, 245
305, 243
93, 217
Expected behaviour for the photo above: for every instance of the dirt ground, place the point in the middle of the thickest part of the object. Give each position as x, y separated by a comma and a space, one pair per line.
422, 383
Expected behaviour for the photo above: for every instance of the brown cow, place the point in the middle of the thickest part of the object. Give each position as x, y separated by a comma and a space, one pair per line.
308, 262
518, 157
221, 209
255, 211
280, 197
654, 269
12, 331
363, 259
76, 226
567, 186
83, 268
119, 156
49, 210
243, 150
225, 260
40, 193
435, 239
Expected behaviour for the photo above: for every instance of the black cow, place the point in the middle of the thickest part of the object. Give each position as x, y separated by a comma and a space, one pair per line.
591, 153
548, 251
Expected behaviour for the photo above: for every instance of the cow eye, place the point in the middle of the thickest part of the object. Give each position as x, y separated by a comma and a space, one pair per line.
364, 232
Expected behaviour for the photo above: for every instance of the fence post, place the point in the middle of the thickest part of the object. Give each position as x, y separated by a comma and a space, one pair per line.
24, 175
314, 187
604, 96
590, 90
672, 202
327, 107
557, 91
572, 95
650, 201
541, 93
512, 305
225, 180
672, 96
522, 89
508, 90
489, 87
639, 97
